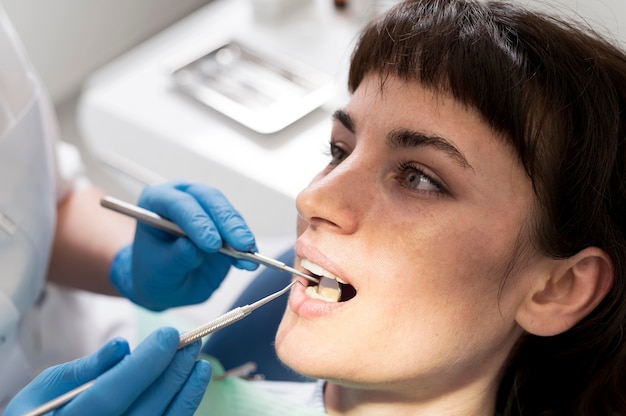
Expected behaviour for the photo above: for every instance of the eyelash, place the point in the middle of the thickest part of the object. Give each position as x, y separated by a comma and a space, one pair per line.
331, 152
405, 168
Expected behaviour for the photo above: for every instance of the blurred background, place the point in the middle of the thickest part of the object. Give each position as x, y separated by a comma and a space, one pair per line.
68, 40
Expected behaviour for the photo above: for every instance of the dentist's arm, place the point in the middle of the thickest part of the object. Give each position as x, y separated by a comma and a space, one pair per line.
86, 239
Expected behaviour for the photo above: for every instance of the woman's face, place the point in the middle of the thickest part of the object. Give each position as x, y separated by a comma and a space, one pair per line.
421, 210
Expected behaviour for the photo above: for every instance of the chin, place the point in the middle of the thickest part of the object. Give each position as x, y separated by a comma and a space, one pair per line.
300, 351
290, 352
317, 363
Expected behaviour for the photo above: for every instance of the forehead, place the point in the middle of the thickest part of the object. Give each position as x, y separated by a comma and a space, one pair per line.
394, 103
389, 94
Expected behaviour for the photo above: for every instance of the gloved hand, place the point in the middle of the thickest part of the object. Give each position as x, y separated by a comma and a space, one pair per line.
160, 270
154, 379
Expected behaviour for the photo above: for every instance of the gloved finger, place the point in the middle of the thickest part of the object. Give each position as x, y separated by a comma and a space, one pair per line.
230, 224
190, 395
159, 395
174, 203
117, 389
75, 373
227, 219
62, 378
205, 214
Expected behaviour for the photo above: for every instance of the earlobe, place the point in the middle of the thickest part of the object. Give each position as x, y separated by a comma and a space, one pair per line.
574, 287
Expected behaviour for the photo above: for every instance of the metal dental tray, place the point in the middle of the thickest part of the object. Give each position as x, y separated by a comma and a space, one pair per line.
265, 93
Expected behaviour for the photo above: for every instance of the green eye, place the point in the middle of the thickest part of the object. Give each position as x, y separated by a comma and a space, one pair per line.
412, 177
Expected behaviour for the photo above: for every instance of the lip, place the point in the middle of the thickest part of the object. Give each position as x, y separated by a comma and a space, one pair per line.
306, 251
310, 308
299, 302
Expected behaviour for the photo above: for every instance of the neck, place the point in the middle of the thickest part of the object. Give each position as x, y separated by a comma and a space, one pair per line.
346, 401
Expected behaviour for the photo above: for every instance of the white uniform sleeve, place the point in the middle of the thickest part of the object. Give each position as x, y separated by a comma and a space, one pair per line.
70, 172
18, 84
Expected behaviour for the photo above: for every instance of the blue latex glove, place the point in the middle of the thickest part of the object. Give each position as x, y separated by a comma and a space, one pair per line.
160, 270
154, 379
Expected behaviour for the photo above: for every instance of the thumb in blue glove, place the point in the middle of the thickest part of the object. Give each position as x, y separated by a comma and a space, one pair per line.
160, 270
58, 380
155, 379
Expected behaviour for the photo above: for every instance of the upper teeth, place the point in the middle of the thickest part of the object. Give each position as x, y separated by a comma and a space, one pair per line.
318, 270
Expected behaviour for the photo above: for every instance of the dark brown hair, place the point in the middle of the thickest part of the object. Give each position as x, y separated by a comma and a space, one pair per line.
556, 92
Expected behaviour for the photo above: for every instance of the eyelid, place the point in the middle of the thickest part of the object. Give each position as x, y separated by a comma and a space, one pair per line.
410, 165
333, 146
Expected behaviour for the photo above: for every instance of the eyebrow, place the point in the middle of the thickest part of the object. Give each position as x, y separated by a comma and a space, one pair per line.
345, 119
404, 138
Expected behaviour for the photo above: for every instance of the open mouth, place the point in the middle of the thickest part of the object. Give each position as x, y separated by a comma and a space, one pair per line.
330, 288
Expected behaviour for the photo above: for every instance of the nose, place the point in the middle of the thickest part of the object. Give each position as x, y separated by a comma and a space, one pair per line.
335, 200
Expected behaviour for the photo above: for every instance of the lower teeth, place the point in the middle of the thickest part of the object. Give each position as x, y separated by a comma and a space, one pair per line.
323, 293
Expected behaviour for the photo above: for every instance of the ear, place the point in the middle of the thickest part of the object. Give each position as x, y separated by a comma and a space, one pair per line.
573, 287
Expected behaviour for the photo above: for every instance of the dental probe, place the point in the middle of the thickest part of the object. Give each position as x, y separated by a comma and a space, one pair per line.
186, 338
155, 220
229, 318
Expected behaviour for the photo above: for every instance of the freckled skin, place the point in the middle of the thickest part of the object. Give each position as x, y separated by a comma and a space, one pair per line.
428, 322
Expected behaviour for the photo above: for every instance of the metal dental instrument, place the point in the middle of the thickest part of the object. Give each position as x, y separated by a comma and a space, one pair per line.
329, 288
229, 318
186, 338
155, 220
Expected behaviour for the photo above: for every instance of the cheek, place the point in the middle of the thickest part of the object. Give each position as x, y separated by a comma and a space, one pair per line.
466, 264
301, 225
